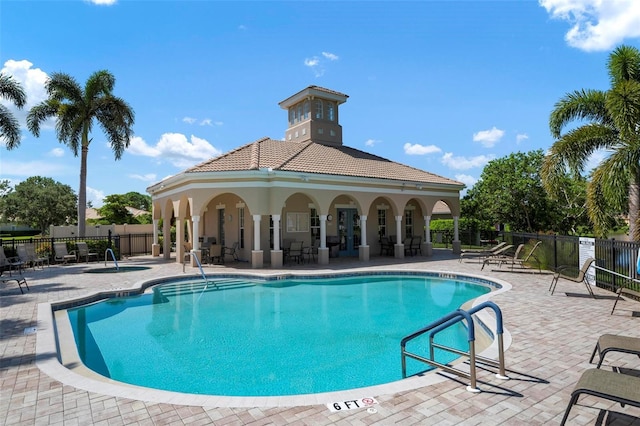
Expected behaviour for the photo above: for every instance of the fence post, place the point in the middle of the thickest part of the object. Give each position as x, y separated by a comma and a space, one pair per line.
109, 239
555, 251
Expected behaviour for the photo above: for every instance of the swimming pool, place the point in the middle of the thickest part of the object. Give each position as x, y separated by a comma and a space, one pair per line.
279, 336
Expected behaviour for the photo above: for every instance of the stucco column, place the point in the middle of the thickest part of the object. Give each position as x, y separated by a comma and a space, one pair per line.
399, 247
323, 251
155, 247
363, 250
428, 247
457, 248
166, 240
257, 258
179, 240
195, 232
276, 253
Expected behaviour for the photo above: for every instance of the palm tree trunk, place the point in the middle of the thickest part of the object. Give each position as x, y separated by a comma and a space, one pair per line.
82, 190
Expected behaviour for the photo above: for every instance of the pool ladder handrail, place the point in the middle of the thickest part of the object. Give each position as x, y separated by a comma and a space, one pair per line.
113, 255
193, 254
447, 321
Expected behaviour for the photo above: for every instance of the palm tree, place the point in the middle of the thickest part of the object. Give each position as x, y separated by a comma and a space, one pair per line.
75, 111
609, 121
9, 126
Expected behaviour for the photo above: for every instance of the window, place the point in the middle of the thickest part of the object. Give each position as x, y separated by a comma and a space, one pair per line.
291, 114
241, 225
318, 109
306, 110
297, 222
408, 223
299, 112
221, 226
330, 111
320, 131
332, 132
382, 224
315, 224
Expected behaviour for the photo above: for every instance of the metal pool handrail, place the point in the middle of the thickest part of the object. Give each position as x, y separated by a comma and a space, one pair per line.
447, 321
113, 256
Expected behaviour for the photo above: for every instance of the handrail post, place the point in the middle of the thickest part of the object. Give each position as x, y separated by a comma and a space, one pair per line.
472, 367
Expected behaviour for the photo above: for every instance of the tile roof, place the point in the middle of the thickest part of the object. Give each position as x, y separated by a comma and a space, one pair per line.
310, 157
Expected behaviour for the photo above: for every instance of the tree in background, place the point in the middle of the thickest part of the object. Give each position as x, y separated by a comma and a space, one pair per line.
12, 91
613, 124
138, 201
39, 202
114, 210
510, 192
76, 110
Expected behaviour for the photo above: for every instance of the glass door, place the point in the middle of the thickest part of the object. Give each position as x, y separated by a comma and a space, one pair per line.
348, 232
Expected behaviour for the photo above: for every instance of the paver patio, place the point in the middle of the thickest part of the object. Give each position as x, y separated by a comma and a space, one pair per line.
552, 340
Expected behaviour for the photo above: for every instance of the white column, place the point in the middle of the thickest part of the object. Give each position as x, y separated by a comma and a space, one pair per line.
323, 231
155, 231
363, 230
427, 231
455, 228
276, 231
399, 238
256, 231
195, 221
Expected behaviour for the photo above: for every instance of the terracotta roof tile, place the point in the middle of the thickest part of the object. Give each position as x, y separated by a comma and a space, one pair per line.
309, 157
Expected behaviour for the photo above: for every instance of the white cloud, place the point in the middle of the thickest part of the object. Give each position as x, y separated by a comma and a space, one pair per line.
330, 56
312, 62
189, 120
175, 148
520, 137
467, 180
103, 2
488, 138
417, 149
149, 177
95, 196
32, 81
371, 142
596, 24
206, 122
29, 168
56, 152
242, 27
463, 163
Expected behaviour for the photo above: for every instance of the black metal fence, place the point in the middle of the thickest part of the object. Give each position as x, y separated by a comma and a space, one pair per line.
122, 245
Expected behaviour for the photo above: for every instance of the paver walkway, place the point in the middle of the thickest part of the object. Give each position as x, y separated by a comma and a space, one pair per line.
553, 337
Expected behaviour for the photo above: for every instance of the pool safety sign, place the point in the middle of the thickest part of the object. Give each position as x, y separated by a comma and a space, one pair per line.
352, 404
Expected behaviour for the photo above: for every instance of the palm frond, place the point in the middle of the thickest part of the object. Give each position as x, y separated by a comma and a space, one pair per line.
9, 128
40, 113
12, 90
624, 64
578, 105
623, 102
61, 87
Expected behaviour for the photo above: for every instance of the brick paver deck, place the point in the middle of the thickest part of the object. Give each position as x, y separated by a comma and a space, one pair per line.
552, 340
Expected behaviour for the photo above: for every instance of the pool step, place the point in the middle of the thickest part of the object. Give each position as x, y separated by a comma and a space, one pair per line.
201, 286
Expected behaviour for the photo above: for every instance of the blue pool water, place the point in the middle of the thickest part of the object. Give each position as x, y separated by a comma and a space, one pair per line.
245, 337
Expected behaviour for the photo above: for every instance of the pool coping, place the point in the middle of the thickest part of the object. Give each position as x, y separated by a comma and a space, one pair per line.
48, 348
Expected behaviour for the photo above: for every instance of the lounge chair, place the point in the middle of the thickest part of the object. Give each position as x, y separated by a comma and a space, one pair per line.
481, 252
500, 255
18, 281
620, 388
84, 252
10, 263
613, 343
523, 261
61, 254
31, 254
623, 291
581, 278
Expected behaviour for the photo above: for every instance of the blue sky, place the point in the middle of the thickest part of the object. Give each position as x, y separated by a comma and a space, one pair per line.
444, 86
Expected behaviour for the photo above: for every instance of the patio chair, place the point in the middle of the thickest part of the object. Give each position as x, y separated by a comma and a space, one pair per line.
61, 254
623, 291
310, 253
31, 252
523, 261
29, 256
605, 384
613, 343
10, 263
84, 252
295, 252
232, 251
500, 255
581, 278
18, 281
407, 245
481, 252
215, 253
416, 245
